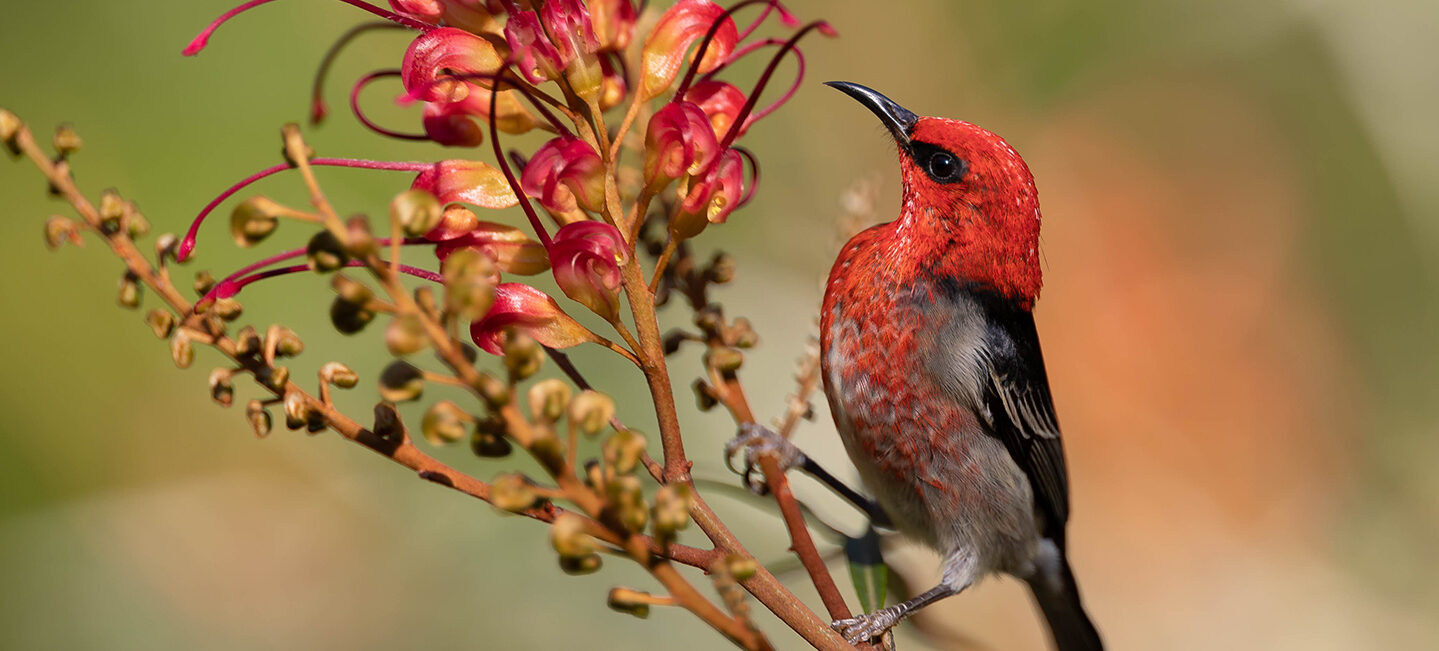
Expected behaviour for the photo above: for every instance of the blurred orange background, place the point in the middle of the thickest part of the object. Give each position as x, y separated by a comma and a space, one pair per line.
1239, 319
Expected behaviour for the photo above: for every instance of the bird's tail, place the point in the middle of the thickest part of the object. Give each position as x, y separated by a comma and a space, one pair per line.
1058, 597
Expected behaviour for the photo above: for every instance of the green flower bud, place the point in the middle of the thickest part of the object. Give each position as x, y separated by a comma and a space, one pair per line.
512, 492
222, 391
405, 335
181, 351
630, 602
417, 211
161, 322
254, 220
258, 417
622, 451
445, 422
548, 400
339, 375
591, 411
325, 252
401, 382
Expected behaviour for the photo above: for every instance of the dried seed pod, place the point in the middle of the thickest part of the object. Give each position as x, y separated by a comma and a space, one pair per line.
489, 439
325, 252
673, 339
358, 237
388, 425
721, 269
287, 343
258, 417
167, 248
548, 400
10, 126
253, 220
512, 492
495, 392
181, 351
135, 223
161, 322
627, 498
349, 318
581, 566
339, 375
591, 411
723, 359
547, 448
568, 537
710, 320
129, 295
222, 390
740, 567
622, 451
445, 422
274, 377
111, 210
630, 602
351, 290
405, 335
417, 211
401, 382
469, 283
705, 397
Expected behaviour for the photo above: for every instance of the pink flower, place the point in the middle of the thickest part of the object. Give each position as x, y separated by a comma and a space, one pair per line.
586, 257
531, 311
721, 101
510, 249
711, 197
537, 58
613, 22
678, 141
450, 66
564, 174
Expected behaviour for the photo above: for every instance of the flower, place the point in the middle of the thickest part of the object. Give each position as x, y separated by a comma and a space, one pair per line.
711, 197
678, 141
470, 181
586, 257
448, 65
676, 30
531, 311
510, 249
566, 174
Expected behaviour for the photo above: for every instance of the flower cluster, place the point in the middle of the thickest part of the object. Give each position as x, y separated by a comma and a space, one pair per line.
482, 68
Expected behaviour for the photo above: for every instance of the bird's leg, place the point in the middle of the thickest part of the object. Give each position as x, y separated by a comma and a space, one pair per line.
959, 569
757, 439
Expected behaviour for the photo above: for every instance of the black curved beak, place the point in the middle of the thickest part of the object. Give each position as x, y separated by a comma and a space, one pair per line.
899, 120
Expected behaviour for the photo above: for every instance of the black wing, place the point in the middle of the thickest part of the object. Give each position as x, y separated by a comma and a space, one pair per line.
1020, 411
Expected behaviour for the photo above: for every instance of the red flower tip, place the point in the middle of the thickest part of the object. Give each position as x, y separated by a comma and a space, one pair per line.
531, 311
586, 257
509, 247
565, 174
720, 101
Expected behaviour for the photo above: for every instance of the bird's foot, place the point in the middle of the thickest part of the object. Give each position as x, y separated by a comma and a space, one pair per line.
757, 440
871, 626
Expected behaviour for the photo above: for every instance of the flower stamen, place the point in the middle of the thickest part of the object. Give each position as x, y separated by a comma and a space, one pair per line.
203, 38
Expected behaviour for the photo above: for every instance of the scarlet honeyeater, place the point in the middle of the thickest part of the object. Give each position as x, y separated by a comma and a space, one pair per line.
934, 373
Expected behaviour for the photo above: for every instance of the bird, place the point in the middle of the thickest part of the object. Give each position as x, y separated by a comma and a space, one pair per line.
935, 377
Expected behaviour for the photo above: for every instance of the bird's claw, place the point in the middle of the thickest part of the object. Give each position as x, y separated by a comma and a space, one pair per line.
757, 440
868, 627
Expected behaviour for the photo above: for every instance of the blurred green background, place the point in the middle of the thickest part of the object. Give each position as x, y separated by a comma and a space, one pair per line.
1239, 317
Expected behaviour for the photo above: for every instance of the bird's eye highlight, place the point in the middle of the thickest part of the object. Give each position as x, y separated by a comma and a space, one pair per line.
943, 166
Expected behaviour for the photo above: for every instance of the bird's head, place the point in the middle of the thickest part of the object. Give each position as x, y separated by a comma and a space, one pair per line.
971, 211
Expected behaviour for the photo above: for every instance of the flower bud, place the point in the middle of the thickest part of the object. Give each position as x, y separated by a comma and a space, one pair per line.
66, 141
228, 309
721, 269
161, 322
445, 422
388, 425
181, 351
359, 241
167, 248
401, 382
568, 536
253, 220
630, 602
512, 492
405, 335
672, 509
258, 417
466, 181
325, 252
274, 377
724, 360
247, 341
489, 439
222, 391
10, 126
705, 397
469, 284
417, 211
679, 141
627, 498
547, 448
622, 451
530, 311
586, 258
59, 230
506, 246
349, 318
740, 567
711, 197
565, 174
522, 355
339, 375
135, 223
548, 400
287, 343
591, 411
437, 57
351, 290
129, 295
495, 392
297, 410
204, 282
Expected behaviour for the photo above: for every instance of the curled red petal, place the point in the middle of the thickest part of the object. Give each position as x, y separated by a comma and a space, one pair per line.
664, 49
531, 311
466, 181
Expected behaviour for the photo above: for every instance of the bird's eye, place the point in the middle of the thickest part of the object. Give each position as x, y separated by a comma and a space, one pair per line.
943, 166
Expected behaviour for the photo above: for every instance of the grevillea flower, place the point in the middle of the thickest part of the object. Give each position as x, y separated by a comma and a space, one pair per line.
711, 197
678, 141
664, 49
531, 311
434, 60
538, 59
586, 257
568, 24
510, 249
564, 174
450, 125
467, 181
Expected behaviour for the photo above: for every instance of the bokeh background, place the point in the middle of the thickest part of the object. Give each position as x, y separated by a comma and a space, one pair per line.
1239, 317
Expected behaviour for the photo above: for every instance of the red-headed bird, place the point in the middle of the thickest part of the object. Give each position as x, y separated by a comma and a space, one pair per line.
934, 374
